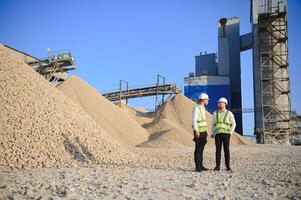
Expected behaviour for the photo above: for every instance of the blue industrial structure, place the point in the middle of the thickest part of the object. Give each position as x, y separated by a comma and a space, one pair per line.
205, 64
214, 86
268, 40
222, 75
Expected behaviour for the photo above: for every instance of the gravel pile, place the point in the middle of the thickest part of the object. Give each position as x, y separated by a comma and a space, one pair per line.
171, 126
41, 127
113, 120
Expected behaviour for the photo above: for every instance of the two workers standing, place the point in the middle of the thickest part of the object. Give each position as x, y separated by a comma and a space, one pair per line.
223, 126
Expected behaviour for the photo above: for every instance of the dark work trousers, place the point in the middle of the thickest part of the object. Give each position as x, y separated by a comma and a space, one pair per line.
200, 143
222, 139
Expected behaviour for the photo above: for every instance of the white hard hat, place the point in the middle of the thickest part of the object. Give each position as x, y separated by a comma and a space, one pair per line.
223, 99
204, 96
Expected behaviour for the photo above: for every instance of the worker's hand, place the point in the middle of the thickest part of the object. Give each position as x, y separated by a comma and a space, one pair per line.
212, 135
196, 134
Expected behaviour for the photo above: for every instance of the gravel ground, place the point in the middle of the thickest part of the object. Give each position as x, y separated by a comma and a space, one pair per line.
259, 172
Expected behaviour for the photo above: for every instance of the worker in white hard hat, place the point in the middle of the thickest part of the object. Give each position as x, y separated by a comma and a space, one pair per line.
199, 126
223, 127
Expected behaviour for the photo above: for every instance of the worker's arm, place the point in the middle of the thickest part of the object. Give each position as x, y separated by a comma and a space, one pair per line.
232, 119
195, 114
212, 127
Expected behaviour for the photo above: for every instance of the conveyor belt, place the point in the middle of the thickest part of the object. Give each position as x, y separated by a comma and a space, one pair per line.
143, 92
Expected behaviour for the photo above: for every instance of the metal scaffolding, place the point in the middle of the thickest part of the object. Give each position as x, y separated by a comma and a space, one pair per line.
158, 102
274, 75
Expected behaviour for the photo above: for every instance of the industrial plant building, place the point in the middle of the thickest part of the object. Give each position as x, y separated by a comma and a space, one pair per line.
220, 74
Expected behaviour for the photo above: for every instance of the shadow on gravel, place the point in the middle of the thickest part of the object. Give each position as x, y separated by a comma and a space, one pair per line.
78, 151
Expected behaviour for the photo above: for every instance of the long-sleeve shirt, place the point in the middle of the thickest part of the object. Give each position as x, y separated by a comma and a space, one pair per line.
195, 115
232, 120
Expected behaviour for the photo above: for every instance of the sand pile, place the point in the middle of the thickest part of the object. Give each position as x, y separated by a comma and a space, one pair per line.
115, 122
140, 115
140, 109
41, 127
171, 126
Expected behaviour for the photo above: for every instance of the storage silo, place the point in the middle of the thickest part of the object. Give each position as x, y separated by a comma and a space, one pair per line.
229, 48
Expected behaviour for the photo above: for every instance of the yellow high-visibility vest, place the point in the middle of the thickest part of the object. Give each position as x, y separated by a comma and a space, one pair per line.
222, 125
201, 121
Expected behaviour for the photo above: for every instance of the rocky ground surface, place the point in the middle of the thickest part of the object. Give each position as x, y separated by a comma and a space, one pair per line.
259, 172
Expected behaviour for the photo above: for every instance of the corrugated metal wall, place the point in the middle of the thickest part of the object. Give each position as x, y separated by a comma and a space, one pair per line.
214, 92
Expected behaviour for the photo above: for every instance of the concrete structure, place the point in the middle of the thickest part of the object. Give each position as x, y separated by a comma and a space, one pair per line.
296, 124
229, 62
271, 70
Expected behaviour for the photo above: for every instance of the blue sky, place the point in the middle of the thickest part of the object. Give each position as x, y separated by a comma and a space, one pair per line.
135, 40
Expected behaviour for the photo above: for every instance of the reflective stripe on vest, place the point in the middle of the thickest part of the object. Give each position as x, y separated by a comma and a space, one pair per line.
201, 121
222, 125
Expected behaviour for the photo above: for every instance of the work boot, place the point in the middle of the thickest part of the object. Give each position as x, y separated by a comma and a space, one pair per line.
204, 168
198, 170
229, 169
216, 169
